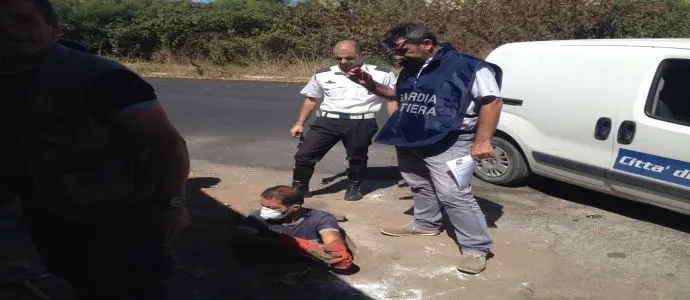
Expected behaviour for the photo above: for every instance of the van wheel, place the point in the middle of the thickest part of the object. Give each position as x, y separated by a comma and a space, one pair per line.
507, 168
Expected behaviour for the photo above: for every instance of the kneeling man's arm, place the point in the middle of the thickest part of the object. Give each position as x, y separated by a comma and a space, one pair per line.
331, 237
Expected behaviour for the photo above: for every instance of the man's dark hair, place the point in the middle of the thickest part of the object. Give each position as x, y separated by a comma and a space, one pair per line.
284, 193
414, 33
48, 11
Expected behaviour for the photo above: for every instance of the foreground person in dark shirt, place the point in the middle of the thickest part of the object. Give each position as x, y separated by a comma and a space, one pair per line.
87, 147
282, 222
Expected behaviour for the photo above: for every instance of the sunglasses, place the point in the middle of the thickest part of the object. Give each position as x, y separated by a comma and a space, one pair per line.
397, 46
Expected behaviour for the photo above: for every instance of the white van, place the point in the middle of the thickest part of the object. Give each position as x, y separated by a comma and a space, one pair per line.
607, 115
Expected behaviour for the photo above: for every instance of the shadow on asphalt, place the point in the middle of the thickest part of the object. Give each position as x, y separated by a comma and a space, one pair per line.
376, 178
212, 260
205, 265
492, 211
632, 209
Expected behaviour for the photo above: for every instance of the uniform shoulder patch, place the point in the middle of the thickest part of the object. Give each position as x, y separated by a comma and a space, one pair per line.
381, 69
323, 70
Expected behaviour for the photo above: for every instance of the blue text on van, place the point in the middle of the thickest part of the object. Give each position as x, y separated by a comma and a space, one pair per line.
661, 168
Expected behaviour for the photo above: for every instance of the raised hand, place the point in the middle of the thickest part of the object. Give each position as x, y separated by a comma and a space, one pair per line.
359, 76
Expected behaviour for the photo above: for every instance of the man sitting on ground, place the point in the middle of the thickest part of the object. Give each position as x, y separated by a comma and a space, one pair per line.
283, 222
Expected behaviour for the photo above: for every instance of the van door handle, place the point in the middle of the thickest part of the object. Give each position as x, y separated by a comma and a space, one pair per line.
626, 132
602, 129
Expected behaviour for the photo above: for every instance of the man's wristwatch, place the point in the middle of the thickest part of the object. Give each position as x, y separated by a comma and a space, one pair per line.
176, 201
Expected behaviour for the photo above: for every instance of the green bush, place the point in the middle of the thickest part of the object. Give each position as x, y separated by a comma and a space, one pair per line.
239, 31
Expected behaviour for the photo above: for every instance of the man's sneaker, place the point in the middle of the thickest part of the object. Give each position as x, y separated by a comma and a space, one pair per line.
353, 193
472, 263
407, 230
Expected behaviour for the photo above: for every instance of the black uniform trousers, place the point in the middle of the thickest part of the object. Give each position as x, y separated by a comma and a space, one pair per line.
324, 133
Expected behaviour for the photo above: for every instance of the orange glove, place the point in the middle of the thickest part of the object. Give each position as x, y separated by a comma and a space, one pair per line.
343, 260
314, 249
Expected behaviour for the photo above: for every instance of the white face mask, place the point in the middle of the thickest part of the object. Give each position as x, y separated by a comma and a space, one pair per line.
270, 214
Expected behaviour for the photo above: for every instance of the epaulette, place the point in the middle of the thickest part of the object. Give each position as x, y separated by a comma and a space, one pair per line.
322, 70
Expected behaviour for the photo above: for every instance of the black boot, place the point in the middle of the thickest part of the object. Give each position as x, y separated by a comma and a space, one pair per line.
353, 193
302, 188
356, 175
300, 179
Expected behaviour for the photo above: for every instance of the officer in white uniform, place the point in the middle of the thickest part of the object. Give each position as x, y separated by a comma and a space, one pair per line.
348, 114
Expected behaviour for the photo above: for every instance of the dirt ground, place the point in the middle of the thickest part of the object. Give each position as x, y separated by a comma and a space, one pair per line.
545, 247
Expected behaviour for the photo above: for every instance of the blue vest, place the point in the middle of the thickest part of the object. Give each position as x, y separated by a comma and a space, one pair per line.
435, 103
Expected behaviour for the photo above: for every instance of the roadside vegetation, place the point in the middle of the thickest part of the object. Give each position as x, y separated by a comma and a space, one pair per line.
258, 38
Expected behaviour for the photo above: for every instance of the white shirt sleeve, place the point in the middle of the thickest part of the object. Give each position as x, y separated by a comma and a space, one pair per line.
390, 80
485, 84
312, 89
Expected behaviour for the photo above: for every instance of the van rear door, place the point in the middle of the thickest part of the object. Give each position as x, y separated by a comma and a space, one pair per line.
651, 157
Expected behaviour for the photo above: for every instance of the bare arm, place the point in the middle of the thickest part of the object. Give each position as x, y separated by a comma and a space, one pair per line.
338, 248
391, 106
381, 90
331, 237
489, 115
307, 108
151, 126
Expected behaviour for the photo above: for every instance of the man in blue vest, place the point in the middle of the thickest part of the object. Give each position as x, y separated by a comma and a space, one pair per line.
449, 107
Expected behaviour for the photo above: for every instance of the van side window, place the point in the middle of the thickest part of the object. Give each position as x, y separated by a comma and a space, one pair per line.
669, 98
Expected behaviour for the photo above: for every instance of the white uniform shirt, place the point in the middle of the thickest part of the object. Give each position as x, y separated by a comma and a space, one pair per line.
342, 95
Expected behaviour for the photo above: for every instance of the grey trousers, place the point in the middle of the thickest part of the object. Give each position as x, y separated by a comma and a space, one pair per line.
435, 191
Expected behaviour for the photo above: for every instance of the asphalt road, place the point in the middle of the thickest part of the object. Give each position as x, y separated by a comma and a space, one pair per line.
247, 123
